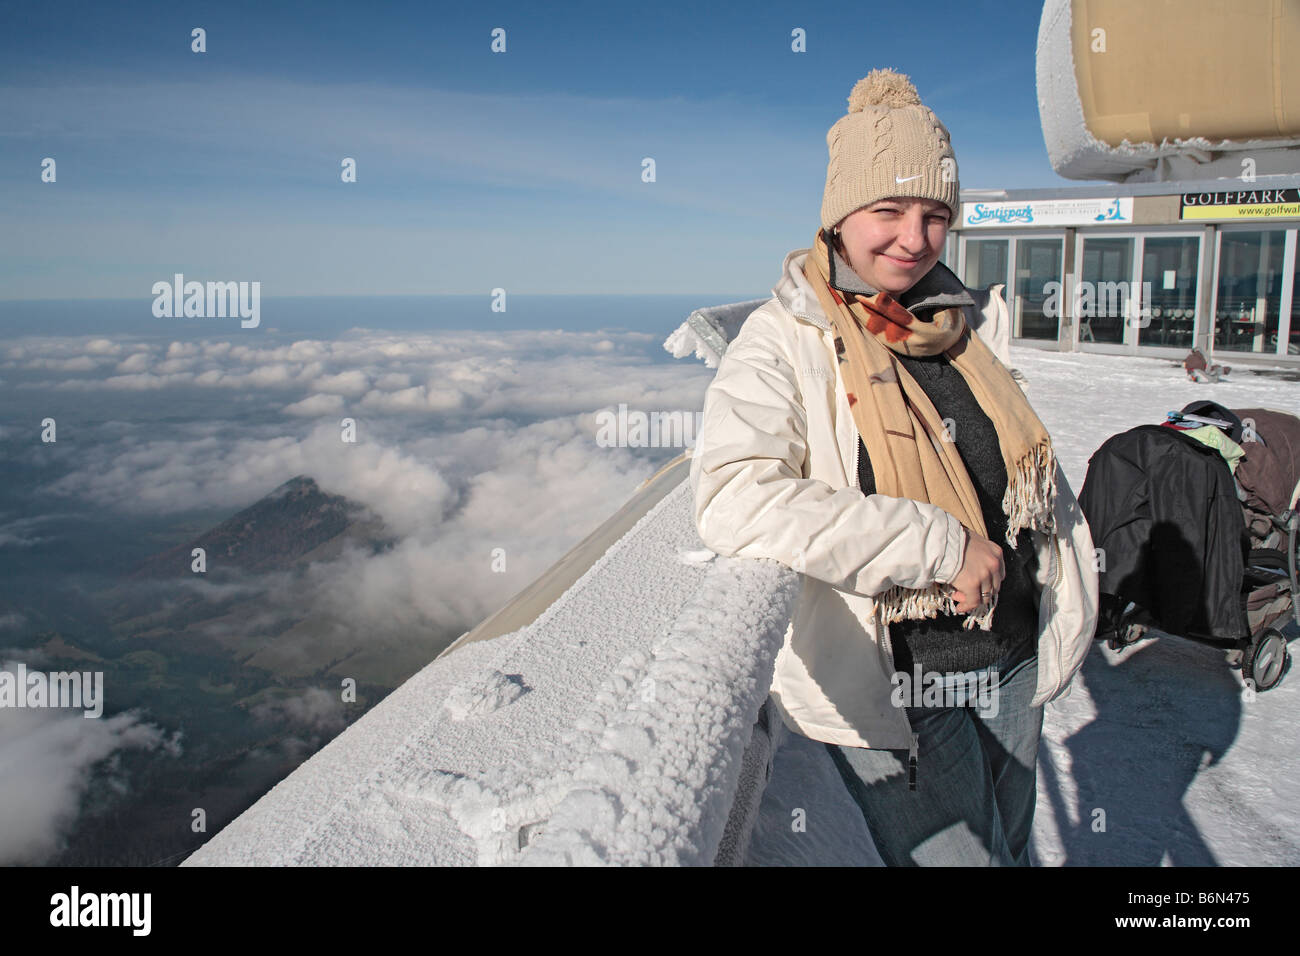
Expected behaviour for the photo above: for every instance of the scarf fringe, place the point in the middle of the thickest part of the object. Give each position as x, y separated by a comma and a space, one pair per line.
900, 603
1031, 494
1028, 503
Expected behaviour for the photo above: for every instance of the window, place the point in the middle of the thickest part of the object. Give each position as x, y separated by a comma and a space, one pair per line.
986, 263
1038, 263
1250, 290
1293, 346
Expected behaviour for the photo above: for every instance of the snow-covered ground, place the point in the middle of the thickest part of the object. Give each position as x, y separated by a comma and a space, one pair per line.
1083, 397
1188, 769
612, 729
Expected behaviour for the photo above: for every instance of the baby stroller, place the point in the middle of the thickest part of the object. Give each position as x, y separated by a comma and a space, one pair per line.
1193, 545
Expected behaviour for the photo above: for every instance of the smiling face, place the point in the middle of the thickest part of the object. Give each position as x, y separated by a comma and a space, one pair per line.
892, 243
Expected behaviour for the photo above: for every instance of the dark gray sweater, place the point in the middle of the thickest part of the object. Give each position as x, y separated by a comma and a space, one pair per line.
941, 643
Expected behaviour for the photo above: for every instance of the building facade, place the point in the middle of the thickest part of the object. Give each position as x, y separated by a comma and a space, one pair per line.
1142, 268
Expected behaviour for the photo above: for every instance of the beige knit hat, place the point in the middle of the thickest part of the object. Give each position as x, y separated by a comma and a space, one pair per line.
889, 144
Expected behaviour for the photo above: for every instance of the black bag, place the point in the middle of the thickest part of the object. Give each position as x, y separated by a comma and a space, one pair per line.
1163, 509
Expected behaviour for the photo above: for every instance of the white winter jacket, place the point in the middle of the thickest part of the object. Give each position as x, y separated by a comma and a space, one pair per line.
774, 474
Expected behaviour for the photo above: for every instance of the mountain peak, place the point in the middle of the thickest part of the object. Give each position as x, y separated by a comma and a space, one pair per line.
297, 485
287, 525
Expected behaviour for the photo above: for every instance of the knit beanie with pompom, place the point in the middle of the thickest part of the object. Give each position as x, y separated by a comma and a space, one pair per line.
889, 144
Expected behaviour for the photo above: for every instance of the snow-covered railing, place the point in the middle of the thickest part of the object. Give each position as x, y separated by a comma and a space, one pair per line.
618, 727
665, 755
706, 332
626, 722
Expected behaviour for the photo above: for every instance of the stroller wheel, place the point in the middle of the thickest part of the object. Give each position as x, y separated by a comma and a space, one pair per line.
1266, 659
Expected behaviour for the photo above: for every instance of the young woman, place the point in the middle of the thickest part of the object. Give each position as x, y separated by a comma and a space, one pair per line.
861, 433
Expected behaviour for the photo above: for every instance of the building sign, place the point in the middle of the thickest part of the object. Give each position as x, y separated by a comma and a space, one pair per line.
1241, 204
1047, 212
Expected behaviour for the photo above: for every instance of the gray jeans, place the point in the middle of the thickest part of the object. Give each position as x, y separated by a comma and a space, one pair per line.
976, 782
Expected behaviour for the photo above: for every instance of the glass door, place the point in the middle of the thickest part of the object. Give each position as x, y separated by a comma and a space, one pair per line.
1035, 312
1171, 271
1104, 299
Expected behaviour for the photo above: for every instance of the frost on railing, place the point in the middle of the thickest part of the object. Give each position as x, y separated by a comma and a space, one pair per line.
618, 727
707, 332
667, 751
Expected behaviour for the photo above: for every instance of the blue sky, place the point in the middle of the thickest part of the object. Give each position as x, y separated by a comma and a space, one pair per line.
475, 170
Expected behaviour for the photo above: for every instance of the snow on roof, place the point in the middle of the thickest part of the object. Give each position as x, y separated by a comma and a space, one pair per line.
1077, 154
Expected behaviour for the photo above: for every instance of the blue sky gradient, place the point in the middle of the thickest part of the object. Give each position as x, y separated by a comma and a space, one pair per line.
475, 170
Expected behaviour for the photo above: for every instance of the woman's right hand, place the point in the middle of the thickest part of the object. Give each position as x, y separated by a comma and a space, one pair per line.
981, 574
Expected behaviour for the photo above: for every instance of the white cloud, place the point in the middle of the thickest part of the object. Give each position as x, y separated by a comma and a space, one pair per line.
103, 347
136, 382
315, 709
46, 762
17, 533
352, 382
178, 474
81, 364
316, 405
136, 362
414, 399
514, 465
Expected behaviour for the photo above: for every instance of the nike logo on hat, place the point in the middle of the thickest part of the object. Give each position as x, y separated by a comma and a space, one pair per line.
908, 179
